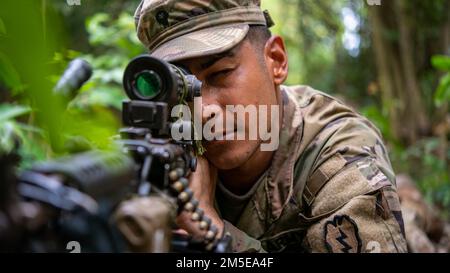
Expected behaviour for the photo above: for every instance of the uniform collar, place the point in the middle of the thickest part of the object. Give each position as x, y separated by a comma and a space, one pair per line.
279, 183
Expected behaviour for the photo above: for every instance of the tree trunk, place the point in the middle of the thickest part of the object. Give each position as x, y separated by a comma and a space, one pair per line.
418, 123
397, 71
384, 68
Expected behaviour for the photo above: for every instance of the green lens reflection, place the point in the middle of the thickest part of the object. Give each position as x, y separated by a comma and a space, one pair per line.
148, 84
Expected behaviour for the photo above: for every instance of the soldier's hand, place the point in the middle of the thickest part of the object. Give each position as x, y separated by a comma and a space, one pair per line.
203, 184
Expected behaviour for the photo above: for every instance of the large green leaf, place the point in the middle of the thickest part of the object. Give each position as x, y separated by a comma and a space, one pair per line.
441, 62
8, 112
443, 92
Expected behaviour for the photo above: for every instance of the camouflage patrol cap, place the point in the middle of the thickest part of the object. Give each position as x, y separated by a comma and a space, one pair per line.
180, 29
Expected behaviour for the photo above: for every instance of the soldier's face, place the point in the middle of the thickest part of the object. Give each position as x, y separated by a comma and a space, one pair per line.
242, 76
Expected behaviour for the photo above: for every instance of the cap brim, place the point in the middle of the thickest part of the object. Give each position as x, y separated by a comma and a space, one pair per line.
204, 42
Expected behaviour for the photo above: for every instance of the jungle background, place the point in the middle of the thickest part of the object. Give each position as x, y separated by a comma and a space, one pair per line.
391, 62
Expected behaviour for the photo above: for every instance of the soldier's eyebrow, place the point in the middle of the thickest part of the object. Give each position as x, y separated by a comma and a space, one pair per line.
217, 57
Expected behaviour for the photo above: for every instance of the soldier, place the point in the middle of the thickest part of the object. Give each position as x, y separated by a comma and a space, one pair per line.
328, 187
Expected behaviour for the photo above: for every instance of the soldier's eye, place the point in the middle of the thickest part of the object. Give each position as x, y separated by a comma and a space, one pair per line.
220, 74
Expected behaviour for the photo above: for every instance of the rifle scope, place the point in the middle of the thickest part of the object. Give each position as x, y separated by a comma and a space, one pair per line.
149, 79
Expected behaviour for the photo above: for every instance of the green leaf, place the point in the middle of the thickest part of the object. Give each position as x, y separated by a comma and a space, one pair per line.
441, 62
443, 91
8, 112
94, 127
8, 74
7, 142
30, 128
102, 95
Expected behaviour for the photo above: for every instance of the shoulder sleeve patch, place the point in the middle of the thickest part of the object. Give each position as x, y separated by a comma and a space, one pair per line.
341, 235
321, 176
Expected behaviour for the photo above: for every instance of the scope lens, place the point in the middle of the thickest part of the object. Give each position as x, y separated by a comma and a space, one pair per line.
148, 84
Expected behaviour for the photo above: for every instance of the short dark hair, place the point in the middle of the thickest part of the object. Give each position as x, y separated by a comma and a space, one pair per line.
258, 36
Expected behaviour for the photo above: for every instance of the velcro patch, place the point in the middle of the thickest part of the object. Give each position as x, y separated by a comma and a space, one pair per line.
341, 235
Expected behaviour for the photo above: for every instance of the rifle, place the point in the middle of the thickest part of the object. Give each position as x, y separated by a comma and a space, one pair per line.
113, 201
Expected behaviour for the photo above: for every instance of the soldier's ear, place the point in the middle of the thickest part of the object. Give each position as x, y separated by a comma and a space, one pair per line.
276, 59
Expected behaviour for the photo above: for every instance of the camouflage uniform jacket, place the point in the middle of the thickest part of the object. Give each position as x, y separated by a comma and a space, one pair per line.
330, 187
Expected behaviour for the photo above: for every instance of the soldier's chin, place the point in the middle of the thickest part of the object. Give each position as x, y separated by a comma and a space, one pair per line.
230, 154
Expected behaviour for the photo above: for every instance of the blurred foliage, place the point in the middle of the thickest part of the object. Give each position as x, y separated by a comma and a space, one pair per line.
24, 71
442, 94
427, 162
119, 43
51, 125
329, 44
33, 145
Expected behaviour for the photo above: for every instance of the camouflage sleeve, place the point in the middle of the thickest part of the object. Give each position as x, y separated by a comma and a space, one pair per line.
240, 241
363, 224
357, 209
